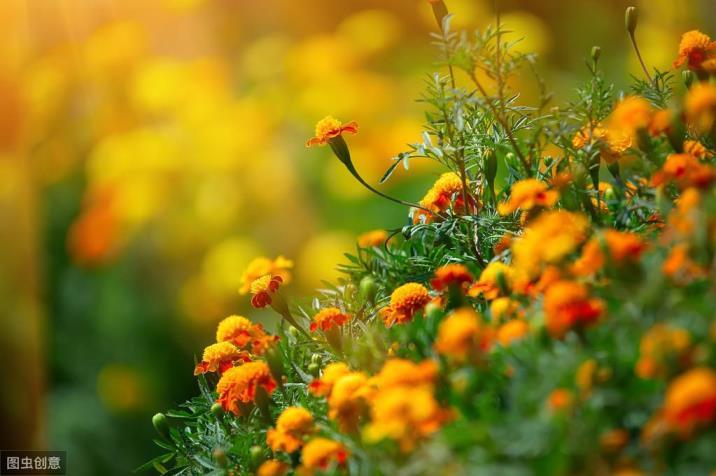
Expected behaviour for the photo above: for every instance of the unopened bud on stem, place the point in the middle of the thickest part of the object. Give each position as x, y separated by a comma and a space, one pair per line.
631, 17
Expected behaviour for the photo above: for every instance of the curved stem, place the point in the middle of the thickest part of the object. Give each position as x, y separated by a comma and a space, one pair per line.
638, 55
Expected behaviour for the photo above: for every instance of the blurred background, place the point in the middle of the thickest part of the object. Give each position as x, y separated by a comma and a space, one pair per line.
150, 149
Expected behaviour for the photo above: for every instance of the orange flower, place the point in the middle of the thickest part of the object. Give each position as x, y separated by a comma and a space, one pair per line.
348, 400
679, 266
697, 149
453, 274
700, 106
493, 279
527, 194
323, 386
624, 246
567, 304
613, 142
660, 123
661, 345
686, 171
273, 467
262, 266
503, 309
591, 260
221, 357
614, 440
262, 289
404, 414
328, 128
694, 49
690, 400
328, 318
321, 453
244, 334
405, 373
292, 426
404, 303
512, 331
239, 384
372, 238
443, 194
461, 335
560, 400
631, 114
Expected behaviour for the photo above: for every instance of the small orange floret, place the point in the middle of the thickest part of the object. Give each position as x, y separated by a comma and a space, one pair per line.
322, 386
262, 289
686, 171
328, 128
695, 48
560, 400
372, 238
690, 400
527, 194
292, 426
239, 384
321, 453
262, 266
328, 318
461, 335
492, 280
220, 357
404, 303
567, 305
451, 274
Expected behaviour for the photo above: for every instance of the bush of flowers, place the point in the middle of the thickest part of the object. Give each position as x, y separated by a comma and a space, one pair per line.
548, 308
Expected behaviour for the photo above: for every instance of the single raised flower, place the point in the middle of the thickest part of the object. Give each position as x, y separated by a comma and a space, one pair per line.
262, 266
239, 384
220, 357
528, 194
453, 274
462, 335
329, 318
372, 238
263, 288
695, 48
322, 454
328, 128
405, 301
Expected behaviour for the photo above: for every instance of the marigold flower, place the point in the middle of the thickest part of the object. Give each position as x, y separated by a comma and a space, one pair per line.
262, 289
631, 114
563, 231
697, 149
661, 345
700, 106
273, 467
686, 171
348, 400
503, 309
528, 194
660, 123
613, 142
585, 376
567, 304
591, 260
560, 400
321, 453
451, 274
372, 238
496, 276
263, 266
679, 266
694, 49
440, 197
405, 373
404, 303
512, 331
461, 335
332, 372
328, 318
239, 384
220, 357
624, 246
690, 400
330, 127
405, 415
614, 440
292, 426
244, 334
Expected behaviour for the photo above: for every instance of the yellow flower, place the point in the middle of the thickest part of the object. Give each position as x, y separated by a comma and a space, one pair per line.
443, 194
220, 357
328, 128
694, 49
321, 453
631, 114
263, 288
372, 238
244, 334
690, 400
567, 304
272, 467
348, 400
547, 240
527, 194
680, 267
263, 266
328, 318
613, 142
332, 372
239, 384
461, 335
503, 309
586, 375
697, 149
405, 373
292, 426
404, 414
405, 301
661, 345
492, 279
512, 331
700, 106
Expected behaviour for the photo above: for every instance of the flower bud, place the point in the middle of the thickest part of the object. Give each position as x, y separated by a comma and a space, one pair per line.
596, 53
368, 288
688, 77
161, 424
316, 359
275, 362
432, 311
217, 410
219, 455
256, 456
314, 369
631, 17
293, 332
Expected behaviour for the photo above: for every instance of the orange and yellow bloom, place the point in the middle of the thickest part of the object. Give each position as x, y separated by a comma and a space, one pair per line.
292, 427
695, 49
239, 384
528, 194
220, 357
405, 302
329, 128
329, 318
322, 453
567, 305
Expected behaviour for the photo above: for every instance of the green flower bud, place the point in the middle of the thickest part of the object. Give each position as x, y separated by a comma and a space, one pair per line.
293, 332
219, 455
316, 359
314, 369
433, 311
217, 410
161, 425
596, 53
631, 17
256, 456
688, 77
368, 288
